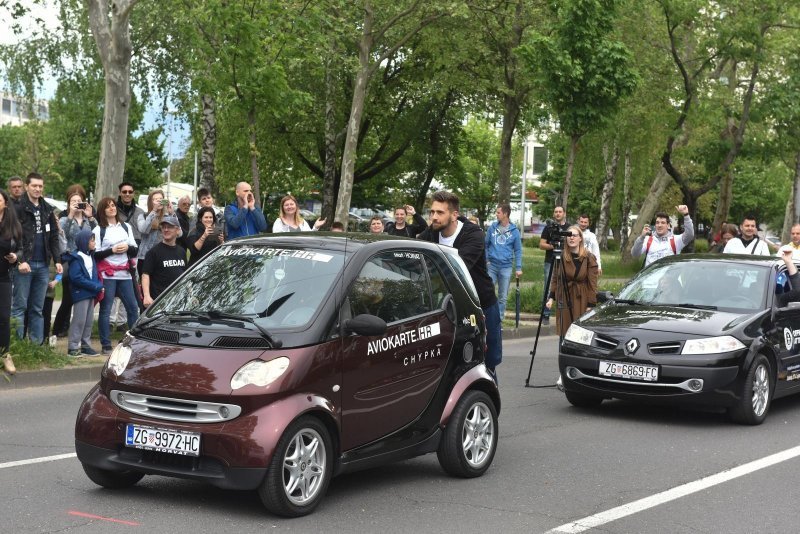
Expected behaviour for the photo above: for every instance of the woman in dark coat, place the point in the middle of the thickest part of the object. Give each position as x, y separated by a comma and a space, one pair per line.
205, 236
580, 271
10, 241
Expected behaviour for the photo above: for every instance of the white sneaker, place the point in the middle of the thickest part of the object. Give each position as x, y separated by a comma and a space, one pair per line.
53, 340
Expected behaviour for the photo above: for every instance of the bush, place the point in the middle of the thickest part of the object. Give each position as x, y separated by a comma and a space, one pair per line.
28, 355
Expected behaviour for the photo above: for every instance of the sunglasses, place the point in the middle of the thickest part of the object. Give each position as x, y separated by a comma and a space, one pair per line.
130, 192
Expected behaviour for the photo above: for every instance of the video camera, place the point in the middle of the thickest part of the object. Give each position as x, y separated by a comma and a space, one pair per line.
556, 234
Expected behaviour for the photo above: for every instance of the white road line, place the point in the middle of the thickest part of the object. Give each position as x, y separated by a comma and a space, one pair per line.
38, 460
677, 492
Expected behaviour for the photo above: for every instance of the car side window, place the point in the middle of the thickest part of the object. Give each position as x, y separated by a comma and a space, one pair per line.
392, 286
438, 286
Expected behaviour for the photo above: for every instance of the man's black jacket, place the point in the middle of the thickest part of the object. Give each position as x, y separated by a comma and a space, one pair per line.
471, 248
52, 248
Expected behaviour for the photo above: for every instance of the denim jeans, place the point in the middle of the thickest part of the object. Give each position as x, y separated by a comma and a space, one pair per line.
494, 339
501, 278
547, 268
124, 290
30, 290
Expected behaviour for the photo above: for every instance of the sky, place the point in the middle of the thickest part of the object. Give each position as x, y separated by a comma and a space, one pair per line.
46, 11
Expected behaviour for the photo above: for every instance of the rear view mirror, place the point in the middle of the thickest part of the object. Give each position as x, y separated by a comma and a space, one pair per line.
449, 307
365, 325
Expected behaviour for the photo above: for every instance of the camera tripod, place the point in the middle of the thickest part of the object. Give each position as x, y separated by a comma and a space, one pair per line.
562, 296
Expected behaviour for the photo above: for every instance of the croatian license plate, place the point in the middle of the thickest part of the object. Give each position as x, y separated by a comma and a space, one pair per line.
630, 371
162, 440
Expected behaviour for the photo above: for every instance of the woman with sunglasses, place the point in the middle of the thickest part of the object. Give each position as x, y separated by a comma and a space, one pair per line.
574, 285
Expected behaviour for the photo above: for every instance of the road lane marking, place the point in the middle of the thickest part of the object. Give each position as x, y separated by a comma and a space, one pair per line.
109, 519
677, 492
38, 460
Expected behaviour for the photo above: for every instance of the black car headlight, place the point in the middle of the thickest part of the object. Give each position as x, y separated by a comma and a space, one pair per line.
712, 345
578, 334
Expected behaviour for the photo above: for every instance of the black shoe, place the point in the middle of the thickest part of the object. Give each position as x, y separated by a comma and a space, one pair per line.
88, 351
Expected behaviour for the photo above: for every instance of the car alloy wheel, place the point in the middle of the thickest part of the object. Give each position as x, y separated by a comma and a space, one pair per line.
756, 394
300, 469
470, 437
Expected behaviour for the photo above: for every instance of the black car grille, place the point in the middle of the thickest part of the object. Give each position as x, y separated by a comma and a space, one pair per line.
164, 336
234, 342
605, 342
170, 462
632, 386
670, 347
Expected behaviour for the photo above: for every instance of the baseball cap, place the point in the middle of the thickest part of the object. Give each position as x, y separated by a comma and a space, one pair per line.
171, 220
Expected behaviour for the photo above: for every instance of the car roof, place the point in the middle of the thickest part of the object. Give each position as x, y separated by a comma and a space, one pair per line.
350, 241
730, 258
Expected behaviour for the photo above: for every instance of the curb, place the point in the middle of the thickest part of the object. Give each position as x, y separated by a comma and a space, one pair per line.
51, 377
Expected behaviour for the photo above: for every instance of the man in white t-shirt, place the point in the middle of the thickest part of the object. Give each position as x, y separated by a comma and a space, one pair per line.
748, 242
793, 245
590, 240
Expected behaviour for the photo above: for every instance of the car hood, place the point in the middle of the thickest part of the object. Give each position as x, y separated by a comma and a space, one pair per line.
665, 319
167, 370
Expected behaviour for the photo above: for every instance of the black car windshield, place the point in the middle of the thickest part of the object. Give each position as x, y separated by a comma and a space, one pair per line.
704, 284
278, 287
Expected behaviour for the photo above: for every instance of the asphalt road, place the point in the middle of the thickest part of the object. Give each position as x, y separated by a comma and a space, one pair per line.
555, 465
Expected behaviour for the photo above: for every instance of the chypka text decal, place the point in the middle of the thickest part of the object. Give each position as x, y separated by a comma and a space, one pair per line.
403, 338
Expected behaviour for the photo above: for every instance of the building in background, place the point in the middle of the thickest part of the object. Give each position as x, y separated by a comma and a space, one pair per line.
14, 110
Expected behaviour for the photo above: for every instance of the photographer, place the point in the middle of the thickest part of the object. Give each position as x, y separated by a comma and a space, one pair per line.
580, 276
158, 207
243, 217
559, 224
664, 242
205, 236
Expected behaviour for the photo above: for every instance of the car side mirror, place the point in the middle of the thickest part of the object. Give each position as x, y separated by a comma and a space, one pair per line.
605, 296
365, 325
790, 306
449, 307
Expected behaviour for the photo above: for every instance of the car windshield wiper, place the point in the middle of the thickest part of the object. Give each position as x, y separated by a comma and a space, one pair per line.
170, 315
693, 306
216, 314
628, 301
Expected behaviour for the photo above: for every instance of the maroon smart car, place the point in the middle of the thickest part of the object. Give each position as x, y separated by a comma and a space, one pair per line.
278, 362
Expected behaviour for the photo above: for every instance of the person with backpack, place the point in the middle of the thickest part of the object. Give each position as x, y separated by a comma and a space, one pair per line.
663, 243
116, 247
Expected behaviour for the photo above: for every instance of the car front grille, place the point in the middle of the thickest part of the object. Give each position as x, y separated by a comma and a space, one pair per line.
605, 342
179, 410
164, 336
672, 347
238, 342
174, 463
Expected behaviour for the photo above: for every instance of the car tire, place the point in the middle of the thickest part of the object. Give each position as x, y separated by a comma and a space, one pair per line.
300, 469
112, 479
470, 437
582, 400
756, 394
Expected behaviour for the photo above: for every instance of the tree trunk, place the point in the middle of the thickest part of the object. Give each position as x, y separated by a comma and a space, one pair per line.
510, 119
573, 150
254, 171
209, 147
110, 24
329, 178
354, 123
796, 189
786, 232
624, 232
723, 203
648, 209
606, 196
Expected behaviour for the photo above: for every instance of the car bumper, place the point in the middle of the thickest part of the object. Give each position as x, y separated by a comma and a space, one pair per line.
676, 383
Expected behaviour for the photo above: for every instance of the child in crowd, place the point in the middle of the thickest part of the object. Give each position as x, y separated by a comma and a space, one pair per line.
85, 286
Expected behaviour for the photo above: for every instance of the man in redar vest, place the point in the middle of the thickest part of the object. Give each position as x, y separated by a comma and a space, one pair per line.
664, 242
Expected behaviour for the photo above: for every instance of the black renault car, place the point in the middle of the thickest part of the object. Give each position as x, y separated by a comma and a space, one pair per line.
704, 330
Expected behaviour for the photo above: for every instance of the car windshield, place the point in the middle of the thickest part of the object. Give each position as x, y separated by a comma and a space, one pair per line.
278, 287
713, 284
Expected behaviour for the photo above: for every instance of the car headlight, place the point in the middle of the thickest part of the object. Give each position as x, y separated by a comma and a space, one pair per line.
712, 345
578, 334
119, 359
259, 372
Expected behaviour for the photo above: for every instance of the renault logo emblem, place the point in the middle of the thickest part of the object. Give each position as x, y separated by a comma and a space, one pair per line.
632, 346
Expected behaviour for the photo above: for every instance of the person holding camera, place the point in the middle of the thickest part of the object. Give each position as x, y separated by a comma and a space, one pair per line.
205, 236
149, 226
575, 288
243, 217
664, 242
79, 216
549, 237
